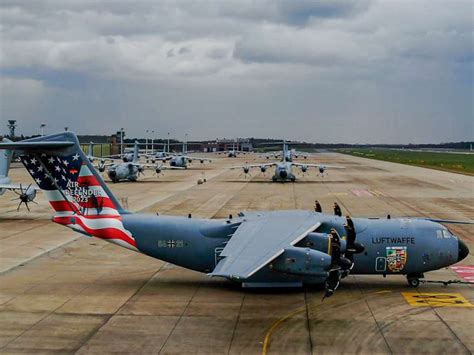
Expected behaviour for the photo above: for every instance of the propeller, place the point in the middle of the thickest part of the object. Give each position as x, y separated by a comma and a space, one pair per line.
159, 170
246, 170
322, 170
24, 197
340, 264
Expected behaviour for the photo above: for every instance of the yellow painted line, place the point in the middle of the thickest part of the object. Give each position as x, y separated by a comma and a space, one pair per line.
433, 299
338, 193
276, 324
266, 342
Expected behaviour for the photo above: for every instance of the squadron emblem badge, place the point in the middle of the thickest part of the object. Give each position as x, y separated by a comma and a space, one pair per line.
396, 258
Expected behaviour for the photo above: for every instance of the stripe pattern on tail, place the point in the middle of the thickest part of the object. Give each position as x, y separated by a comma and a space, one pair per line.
77, 196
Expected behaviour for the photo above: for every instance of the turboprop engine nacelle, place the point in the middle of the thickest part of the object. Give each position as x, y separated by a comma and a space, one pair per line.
304, 168
320, 242
263, 168
246, 169
302, 261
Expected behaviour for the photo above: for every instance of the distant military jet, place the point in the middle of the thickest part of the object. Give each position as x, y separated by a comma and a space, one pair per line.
286, 154
159, 155
181, 160
27, 193
130, 168
233, 152
257, 249
284, 168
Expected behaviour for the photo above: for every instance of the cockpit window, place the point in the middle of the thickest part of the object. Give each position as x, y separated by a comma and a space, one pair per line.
443, 234
446, 234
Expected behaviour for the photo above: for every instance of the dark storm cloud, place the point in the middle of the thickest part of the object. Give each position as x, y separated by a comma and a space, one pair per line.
358, 71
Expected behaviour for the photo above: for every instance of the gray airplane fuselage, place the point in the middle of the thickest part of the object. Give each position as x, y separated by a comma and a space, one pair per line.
283, 172
179, 161
197, 244
123, 172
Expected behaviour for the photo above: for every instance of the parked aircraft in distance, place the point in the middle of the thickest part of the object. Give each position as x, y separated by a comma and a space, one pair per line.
286, 154
181, 160
284, 168
130, 168
233, 152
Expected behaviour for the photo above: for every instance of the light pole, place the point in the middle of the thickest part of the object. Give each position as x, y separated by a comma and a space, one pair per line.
152, 138
121, 141
42, 125
168, 143
146, 141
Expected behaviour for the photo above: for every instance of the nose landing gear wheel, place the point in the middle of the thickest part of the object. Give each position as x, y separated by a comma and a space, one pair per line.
414, 279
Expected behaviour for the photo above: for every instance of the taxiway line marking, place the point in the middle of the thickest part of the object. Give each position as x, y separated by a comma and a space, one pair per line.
305, 308
275, 325
434, 299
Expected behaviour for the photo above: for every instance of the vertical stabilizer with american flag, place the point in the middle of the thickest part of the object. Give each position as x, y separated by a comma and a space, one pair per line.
77, 193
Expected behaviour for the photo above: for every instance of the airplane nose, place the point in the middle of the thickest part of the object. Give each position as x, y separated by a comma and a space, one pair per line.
463, 250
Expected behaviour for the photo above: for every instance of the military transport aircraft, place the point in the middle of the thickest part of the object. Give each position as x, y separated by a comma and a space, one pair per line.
181, 160
26, 194
233, 152
286, 154
130, 168
284, 168
262, 249
159, 155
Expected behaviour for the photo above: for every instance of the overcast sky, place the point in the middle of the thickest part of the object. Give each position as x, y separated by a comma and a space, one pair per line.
326, 71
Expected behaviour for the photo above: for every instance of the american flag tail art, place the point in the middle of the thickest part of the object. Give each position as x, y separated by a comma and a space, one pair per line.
80, 198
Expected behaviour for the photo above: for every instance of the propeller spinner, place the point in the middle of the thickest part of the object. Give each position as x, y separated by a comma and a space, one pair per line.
25, 196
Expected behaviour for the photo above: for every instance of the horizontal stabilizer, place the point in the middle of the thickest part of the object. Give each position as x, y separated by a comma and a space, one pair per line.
36, 145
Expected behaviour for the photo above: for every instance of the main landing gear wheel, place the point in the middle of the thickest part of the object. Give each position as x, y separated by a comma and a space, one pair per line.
413, 282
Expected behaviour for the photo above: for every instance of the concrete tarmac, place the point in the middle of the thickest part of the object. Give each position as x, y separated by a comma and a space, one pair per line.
61, 292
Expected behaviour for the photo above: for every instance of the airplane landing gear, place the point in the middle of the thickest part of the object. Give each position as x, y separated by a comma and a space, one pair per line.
414, 279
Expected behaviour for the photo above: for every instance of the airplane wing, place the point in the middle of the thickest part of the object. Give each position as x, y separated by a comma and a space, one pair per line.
318, 166
154, 166
198, 158
253, 166
167, 167
18, 187
104, 165
258, 241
